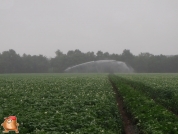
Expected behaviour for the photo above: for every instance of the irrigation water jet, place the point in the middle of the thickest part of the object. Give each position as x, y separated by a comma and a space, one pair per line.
100, 66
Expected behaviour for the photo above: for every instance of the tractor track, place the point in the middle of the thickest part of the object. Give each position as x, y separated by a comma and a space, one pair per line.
129, 127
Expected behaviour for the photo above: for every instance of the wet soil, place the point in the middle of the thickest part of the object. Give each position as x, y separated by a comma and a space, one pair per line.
129, 127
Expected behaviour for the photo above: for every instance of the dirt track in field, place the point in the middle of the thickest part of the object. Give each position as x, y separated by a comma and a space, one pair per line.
129, 128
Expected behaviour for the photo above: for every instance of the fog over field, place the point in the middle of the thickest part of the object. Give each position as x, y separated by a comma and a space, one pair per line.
43, 26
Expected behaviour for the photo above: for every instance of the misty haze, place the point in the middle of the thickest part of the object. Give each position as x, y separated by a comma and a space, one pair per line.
84, 31
44, 26
89, 66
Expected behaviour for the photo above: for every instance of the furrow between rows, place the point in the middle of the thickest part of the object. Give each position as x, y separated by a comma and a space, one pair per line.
147, 115
129, 128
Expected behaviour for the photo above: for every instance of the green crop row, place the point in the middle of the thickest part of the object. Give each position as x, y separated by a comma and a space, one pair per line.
65, 104
148, 116
163, 88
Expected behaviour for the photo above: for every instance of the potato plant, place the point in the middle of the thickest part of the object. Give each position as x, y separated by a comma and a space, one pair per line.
150, 117
60, 103
163, 88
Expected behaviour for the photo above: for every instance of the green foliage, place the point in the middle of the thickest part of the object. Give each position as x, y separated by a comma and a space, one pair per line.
73, 104
150, 117
163, 88
11, 62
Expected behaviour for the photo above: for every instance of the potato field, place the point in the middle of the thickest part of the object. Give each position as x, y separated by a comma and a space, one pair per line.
91, 103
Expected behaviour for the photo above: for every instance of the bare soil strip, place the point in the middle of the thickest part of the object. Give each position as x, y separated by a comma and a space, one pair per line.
129, 128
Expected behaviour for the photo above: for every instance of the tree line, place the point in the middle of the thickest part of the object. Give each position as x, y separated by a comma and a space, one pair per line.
11, 62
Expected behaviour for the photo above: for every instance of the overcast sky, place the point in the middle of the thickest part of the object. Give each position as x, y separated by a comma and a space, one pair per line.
43, 26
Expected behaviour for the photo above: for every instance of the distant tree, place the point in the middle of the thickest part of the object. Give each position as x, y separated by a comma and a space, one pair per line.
90, 56
76, 57
127, 57
141, 62
35, 64
172, 64
116, 57
156, 64
59, 53
42, 64
10, 62
99, 55
27, 64
106, 56
57, 63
